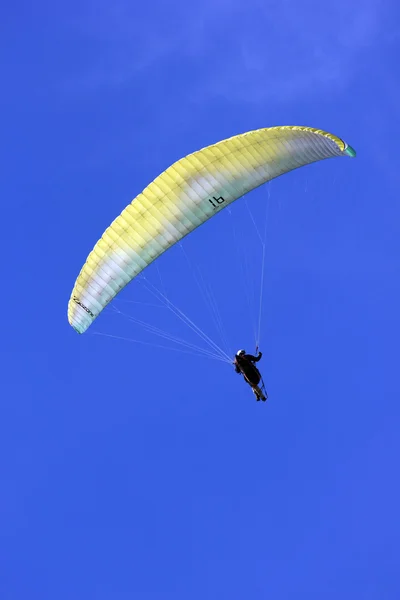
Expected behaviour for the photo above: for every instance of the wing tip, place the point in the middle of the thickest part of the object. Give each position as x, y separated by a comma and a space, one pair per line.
349, 150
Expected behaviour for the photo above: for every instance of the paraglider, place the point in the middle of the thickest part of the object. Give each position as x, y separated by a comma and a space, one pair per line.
244, 364
181, 199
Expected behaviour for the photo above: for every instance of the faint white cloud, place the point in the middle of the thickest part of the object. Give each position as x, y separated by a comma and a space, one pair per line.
248, 50
287, 49
132, 38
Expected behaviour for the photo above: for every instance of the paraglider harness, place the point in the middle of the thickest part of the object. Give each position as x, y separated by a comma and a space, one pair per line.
260, 386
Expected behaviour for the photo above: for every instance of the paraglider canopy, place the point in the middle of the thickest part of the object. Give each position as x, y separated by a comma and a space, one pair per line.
185, 196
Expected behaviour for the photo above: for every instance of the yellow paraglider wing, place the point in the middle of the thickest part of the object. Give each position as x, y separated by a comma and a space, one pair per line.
184, 196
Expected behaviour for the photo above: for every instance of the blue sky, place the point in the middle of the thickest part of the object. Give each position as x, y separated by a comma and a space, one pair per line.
132, 471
